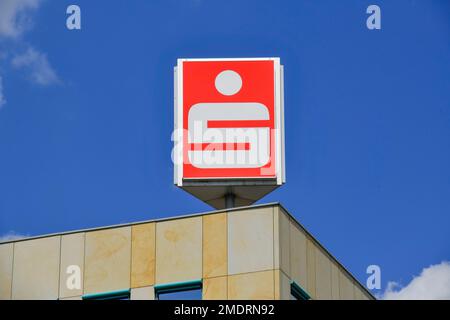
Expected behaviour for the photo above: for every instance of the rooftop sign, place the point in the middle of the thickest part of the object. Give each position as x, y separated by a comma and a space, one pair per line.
229, 137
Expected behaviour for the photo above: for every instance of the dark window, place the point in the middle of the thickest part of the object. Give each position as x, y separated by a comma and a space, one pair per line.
297, 292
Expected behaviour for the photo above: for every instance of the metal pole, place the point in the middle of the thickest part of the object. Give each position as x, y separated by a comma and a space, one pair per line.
229, 200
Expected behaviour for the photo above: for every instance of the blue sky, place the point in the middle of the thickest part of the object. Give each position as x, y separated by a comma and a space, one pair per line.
86, 117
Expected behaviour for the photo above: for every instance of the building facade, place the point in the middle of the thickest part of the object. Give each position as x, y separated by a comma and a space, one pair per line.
256, 252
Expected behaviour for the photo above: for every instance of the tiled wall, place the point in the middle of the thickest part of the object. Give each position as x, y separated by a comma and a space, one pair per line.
304, 261
252, 253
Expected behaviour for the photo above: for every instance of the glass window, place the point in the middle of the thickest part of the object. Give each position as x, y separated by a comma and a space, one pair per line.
182, 295
191, 290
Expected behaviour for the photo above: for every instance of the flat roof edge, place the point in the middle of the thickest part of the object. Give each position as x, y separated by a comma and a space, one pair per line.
126, 224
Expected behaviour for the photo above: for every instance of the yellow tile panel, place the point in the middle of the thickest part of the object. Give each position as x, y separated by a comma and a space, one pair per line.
143, 251
179, 250
214, 245
215, 288
107, 260
252, 286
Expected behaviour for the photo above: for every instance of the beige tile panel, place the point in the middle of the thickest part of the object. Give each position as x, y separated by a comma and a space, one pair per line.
357, 292
346, 287
179, 250
334, 281
250, 240
298, 256
107, 260
282, 241
6, 267
72, 298
72, 265
282, 286
276, 238
252, 286
311, 267
143, 293
36, 269
360, 294
215, 288
323, 276
214, 245
143, 253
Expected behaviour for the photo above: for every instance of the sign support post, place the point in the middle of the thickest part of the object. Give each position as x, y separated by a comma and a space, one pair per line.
229, 200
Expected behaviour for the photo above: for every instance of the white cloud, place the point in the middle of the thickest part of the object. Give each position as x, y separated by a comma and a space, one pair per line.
2, 97
38, 66
15, 18
11, 235
432, 284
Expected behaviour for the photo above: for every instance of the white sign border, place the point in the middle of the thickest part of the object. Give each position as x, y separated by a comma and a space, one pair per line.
279, 120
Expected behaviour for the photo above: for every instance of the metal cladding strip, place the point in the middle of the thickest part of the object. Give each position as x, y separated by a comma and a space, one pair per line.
125, 293
178, 286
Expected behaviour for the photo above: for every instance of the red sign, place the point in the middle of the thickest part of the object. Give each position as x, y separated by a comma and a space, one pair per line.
229, 113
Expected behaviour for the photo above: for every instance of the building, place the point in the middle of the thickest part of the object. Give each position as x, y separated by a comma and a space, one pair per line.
255, 252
